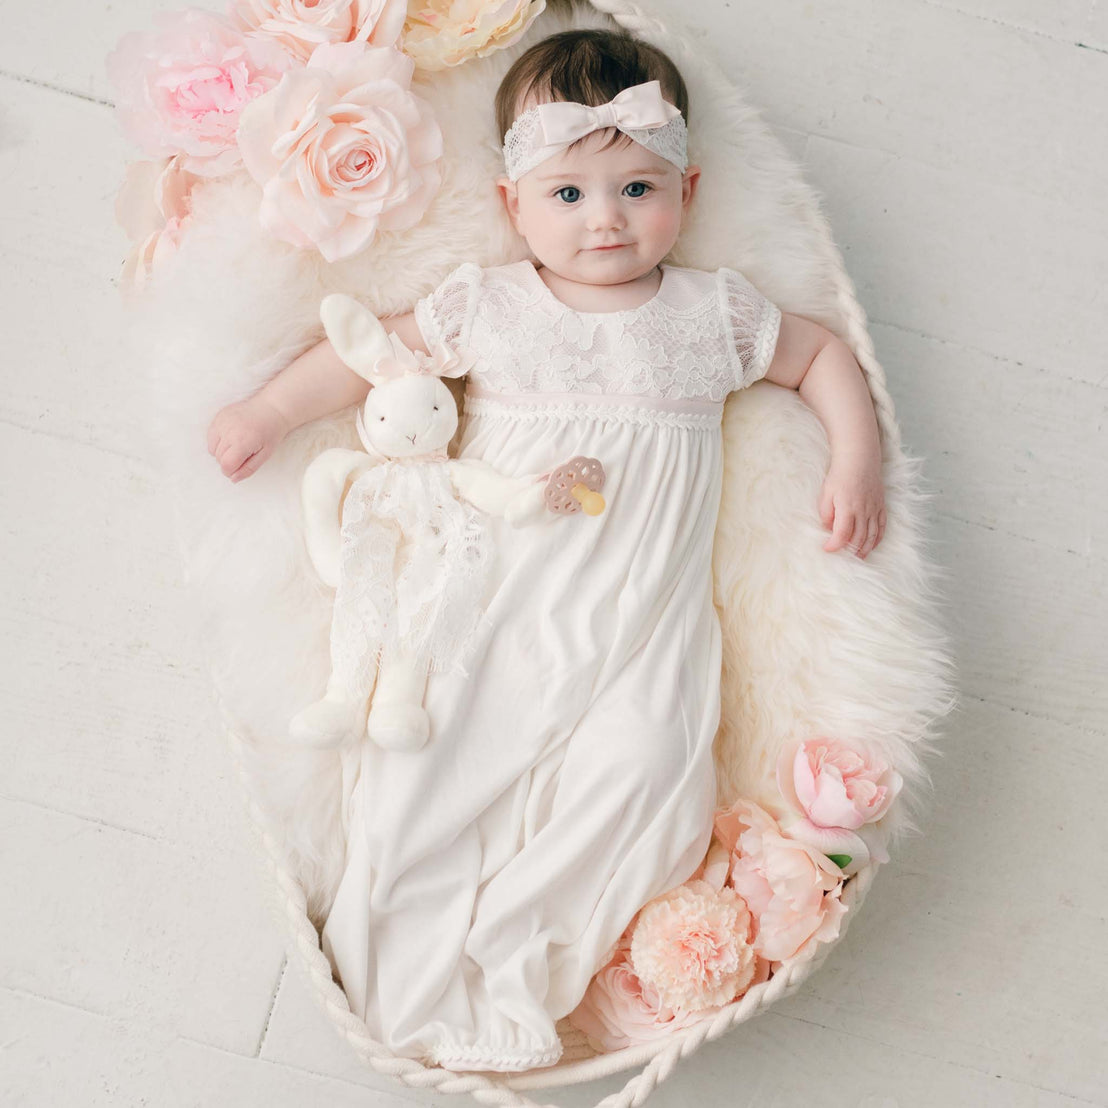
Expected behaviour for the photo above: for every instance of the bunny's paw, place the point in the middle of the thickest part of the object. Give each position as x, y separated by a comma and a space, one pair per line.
329, 722
398, 726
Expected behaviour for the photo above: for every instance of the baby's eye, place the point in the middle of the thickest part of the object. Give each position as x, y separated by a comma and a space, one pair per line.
636, 189
569, 193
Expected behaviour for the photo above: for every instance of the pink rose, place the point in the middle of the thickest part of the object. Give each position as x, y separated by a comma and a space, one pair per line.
691, 946
152, 207
181, 87
299, 26
618, 1010
833, 790
791, 887
342, 148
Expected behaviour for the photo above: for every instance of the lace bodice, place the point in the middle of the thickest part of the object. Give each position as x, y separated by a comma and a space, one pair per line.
703, 335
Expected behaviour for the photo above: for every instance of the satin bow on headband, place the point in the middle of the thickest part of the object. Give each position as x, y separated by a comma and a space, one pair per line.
639, 112
634, 108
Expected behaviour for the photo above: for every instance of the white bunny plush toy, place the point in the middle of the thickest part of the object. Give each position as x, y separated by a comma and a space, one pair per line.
398, 531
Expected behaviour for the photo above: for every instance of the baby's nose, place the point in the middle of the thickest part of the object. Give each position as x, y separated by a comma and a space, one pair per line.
605, 214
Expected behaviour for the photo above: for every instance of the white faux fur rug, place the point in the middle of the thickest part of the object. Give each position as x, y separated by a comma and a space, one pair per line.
814, 642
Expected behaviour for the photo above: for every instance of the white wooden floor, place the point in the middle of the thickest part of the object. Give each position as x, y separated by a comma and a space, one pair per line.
961, 149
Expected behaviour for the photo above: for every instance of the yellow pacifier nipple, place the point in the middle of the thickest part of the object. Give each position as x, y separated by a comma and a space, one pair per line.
592, 503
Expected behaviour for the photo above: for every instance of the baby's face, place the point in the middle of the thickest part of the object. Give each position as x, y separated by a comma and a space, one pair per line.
600, 217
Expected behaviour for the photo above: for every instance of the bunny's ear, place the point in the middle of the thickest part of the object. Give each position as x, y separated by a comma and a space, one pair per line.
357, 335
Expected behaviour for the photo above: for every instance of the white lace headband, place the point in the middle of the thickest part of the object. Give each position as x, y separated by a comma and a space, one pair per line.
639, 112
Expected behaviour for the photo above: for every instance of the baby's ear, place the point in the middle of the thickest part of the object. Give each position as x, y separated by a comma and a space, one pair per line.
358, 336
689, 181
509, 194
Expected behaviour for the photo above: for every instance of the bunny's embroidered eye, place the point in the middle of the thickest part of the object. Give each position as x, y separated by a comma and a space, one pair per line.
382, 419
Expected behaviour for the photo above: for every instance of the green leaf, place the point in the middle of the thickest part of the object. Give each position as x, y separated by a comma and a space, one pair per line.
841, 860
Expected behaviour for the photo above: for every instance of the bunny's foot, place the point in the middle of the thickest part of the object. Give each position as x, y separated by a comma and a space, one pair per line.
329, 722
398, 726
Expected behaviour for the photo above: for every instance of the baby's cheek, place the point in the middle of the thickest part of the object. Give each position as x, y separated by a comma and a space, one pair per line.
664, 222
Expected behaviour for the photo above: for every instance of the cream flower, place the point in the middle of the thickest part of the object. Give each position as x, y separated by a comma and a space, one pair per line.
691, 945
791, 887
152, 206
342, 149
181, 87
299, 26
444, 33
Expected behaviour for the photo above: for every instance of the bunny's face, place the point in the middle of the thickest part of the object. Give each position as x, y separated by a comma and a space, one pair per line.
410, 415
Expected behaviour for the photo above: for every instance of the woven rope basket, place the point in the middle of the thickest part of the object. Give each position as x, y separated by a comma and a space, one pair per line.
658, 1059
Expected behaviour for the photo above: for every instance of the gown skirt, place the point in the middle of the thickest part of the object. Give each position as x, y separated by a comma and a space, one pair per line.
569, 776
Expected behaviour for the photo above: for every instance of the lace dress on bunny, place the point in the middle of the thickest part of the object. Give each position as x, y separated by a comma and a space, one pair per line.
414, 562
569, 778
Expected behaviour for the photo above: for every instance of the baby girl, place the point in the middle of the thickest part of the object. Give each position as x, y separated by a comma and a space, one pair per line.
571, 778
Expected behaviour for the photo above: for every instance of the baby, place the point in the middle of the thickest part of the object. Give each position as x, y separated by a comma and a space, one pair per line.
571, 778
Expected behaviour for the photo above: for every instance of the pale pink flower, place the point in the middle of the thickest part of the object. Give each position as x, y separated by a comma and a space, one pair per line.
299, 26
833, 790
691, 945
343, 149
791, 887
443, 33
152, 206
181, 87
618, 1010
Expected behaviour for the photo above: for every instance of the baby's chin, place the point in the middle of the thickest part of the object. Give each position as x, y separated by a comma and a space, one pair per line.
611, 267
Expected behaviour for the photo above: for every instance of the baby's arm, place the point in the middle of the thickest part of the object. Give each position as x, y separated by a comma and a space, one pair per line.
243, 435
820, 366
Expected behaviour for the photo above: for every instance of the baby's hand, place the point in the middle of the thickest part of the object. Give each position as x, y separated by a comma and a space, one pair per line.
243, 435
852, 503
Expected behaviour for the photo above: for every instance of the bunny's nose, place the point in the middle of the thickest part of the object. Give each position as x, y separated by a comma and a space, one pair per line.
412, 437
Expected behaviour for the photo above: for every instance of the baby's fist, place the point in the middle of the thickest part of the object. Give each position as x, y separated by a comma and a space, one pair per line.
852, 505
243, 435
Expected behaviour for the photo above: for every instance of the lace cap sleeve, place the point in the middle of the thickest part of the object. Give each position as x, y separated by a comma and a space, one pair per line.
446, 313
753, 323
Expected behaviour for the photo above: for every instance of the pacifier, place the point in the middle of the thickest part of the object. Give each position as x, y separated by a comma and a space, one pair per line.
575, 486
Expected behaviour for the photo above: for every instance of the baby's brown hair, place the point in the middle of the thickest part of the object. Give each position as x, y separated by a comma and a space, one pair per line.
588, 66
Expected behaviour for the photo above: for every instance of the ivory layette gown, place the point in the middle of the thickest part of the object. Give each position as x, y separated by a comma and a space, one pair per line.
569, 776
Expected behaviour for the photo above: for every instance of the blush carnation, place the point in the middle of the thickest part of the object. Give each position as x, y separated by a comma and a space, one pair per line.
342, 149
299, 26
443, 33
181, 87
692, 946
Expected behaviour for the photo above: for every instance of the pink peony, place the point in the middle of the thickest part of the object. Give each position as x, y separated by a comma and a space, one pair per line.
342, 148
790, 886
691, 945
152, 207
443, 33
299, 26
181, 87
833, 791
